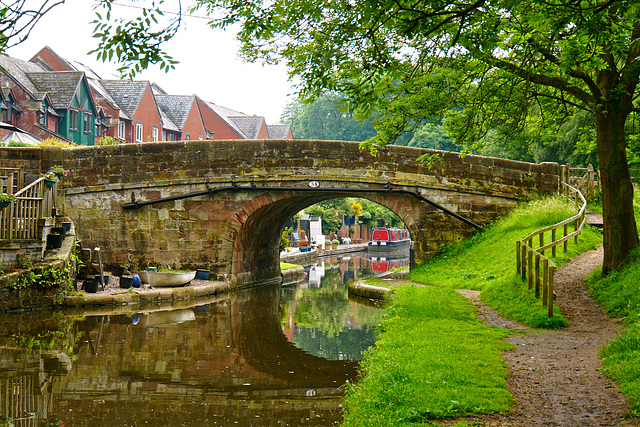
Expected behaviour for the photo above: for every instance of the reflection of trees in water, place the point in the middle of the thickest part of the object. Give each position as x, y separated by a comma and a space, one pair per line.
327, 323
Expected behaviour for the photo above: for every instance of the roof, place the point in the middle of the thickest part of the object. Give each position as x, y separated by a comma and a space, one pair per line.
167, 124
176, 107
61, 86
278, 131
248, 125
17, 70
20, 136
126, 93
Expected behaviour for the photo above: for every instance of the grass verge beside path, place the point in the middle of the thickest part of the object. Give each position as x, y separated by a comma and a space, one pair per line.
433, 358
619, 293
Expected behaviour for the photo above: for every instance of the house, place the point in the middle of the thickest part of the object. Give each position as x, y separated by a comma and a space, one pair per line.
136, 101
72, 100
26, 105
216, 121
111, 121
279, 132
183, 112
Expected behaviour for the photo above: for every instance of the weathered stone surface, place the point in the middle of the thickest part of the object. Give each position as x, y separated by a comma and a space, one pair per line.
235, 234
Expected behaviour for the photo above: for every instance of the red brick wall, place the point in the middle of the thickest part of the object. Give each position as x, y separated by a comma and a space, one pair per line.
213, 122
147, 113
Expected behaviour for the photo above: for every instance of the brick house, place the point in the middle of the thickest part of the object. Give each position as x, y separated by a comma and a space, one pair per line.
137, 102
27, 106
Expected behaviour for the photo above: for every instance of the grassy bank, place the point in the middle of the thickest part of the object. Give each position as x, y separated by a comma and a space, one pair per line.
487, 262
619, 293
433, 359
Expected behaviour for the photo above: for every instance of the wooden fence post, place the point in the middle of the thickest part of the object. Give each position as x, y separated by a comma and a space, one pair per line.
545, 280
552, 272
530, 267
518, 265
553, 239
537, 281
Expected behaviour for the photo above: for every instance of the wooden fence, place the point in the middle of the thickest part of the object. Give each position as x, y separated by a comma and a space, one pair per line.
583, 179
533, 265
34, 201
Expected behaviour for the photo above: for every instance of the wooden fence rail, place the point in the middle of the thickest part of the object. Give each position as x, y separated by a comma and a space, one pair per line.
533, 265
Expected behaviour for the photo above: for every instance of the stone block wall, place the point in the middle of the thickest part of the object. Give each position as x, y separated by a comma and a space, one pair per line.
235, 234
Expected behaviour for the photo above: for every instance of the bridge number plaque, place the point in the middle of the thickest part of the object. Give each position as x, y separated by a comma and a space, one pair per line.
314, 184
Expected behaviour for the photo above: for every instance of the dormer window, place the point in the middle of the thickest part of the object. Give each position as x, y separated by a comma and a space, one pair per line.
43, 116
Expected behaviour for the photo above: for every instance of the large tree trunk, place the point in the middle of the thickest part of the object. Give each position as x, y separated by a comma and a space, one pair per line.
620, 232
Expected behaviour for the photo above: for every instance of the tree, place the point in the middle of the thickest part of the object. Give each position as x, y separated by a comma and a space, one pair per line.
321, 119
477, 63
19, 17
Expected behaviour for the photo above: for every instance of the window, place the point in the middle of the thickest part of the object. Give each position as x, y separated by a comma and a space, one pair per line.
199, 137
43, 118
98, 131
154, 135
87, 122
6, 112
139, 131
73, 119
121, 129
187, 136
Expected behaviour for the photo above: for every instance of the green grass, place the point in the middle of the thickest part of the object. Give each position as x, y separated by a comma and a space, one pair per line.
486, 262
434, 359
619, 293
287, 266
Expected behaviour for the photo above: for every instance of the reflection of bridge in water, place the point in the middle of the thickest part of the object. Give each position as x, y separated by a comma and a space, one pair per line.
232, 362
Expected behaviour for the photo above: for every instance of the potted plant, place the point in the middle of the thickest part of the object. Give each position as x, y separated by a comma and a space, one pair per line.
54, 240
117, 270
59, 172
327, 244
50, 179
7, 199
90, 286
126, 282
334, 243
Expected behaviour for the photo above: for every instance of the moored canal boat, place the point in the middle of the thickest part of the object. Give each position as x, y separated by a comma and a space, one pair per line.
385, 239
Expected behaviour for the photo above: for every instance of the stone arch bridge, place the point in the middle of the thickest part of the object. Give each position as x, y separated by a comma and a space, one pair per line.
222, 205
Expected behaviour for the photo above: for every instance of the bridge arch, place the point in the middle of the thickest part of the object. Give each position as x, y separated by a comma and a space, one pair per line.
196, 203
257, 227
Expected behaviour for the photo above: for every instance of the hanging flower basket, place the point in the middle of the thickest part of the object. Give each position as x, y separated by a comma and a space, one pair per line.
7, 199
59, 172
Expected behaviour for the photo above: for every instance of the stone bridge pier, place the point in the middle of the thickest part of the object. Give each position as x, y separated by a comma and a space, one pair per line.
222, 205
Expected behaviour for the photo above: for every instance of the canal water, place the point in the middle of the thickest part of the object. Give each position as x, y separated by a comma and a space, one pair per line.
264, 356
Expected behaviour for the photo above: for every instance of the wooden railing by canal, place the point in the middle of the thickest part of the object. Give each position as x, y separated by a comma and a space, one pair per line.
36, 200
533, 265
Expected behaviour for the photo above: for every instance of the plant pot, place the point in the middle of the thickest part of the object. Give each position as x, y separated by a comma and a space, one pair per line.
91, 286
334, 246
117, 270
202, 274
50, 183
126, 282
135, 281
66, 226
54, 241
59, 230
4, 203
105, 278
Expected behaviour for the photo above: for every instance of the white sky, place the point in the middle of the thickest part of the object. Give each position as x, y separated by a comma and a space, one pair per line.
209, 65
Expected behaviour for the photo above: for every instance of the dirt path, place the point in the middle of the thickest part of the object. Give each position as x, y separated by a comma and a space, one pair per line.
554, 374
